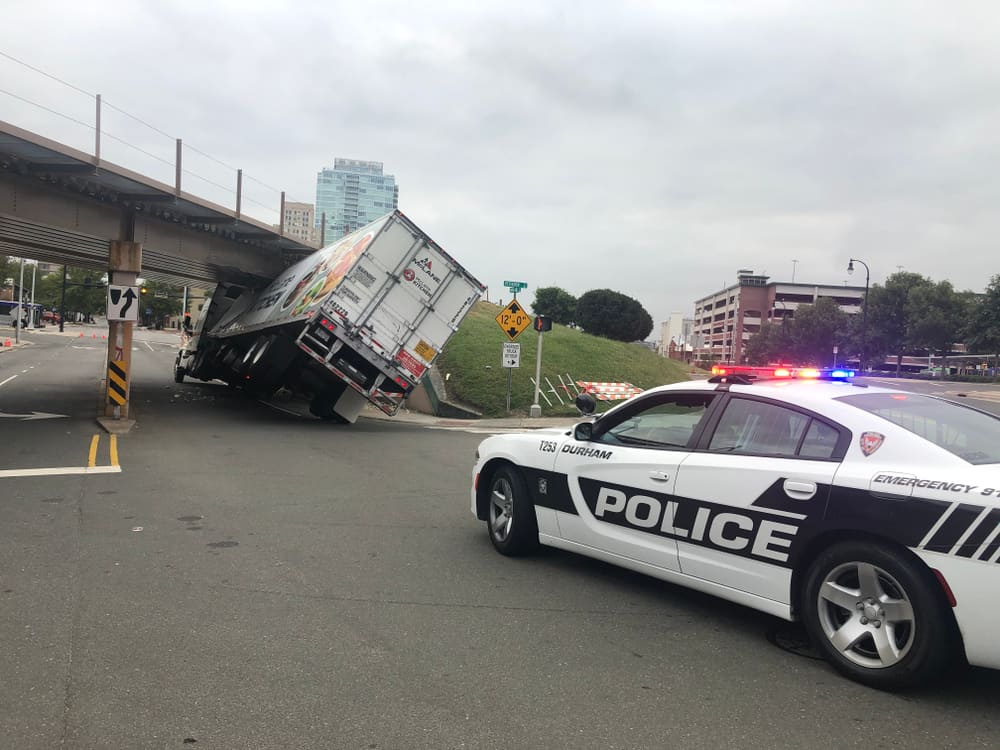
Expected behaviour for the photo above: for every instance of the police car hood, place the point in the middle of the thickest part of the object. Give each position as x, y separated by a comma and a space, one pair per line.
551, 430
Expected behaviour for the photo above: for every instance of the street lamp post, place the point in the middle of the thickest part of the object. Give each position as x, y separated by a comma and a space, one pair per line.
864, 310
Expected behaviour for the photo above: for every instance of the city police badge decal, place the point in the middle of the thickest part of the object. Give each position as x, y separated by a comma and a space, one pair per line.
870, 442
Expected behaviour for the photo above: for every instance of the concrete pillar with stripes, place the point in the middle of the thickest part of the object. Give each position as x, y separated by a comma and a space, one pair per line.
124, 266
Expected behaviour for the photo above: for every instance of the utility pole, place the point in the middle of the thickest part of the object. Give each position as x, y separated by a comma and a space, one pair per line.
62, 305
31, 307
20, 306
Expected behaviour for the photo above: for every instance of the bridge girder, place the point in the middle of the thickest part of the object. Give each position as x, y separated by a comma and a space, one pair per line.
59, 205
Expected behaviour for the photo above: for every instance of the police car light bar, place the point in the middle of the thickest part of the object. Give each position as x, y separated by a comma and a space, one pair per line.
771, 372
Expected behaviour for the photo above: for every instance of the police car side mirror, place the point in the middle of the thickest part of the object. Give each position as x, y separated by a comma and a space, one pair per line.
584, 431
585, 403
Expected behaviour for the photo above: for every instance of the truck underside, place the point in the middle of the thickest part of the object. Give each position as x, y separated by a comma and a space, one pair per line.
317, 365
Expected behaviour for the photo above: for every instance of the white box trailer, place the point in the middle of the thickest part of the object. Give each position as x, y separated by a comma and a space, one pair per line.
359, 321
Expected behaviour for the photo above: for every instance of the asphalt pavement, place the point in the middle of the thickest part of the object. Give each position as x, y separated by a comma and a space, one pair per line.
237, 574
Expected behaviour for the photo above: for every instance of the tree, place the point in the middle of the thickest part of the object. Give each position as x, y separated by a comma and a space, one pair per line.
555, 303
86, 292
613, 315
768, 345
982, 332
888, 318
816, 329
7, 265
936, 316
162, 301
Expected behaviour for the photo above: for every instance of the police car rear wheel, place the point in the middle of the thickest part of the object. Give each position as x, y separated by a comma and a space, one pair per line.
877, 616
511, 517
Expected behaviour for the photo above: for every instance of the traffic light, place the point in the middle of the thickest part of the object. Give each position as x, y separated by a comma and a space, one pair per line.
543, 323
143, 290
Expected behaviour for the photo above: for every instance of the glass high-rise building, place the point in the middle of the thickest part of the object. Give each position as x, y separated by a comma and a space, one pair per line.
352, 194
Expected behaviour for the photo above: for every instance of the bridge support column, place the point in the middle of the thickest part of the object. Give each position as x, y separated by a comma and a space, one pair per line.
125, 263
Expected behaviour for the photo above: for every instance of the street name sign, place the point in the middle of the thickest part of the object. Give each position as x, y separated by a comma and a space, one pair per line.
515, 286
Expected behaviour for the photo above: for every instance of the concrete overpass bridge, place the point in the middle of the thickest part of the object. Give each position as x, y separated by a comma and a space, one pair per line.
64, 206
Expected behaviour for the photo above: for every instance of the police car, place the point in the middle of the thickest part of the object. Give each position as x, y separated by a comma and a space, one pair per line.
871, 514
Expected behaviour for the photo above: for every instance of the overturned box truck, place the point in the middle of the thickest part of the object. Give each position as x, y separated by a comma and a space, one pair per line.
359, 321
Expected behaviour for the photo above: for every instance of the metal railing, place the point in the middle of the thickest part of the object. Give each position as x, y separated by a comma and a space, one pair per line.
35, 100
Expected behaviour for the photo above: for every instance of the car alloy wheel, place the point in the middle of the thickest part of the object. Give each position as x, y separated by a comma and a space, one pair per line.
501, 509
511, 515
866, 615
879, 615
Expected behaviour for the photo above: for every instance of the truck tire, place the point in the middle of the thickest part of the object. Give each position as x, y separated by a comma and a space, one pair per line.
179, 373
266, 368
322, 404
878, 616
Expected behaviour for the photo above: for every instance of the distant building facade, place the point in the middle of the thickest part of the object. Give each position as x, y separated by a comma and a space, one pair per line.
300, 223
724, 321
677, 336
353, 194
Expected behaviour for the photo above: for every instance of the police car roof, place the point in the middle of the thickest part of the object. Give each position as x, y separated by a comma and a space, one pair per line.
803, 392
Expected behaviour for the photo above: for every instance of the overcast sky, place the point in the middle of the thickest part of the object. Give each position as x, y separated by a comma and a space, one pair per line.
653, 148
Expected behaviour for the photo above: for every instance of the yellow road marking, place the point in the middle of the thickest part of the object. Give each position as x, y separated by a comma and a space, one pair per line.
90, 468
92, 457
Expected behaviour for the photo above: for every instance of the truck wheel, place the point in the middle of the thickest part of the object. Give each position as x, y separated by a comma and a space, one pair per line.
878, 616
323, 402
511, 515
179, 373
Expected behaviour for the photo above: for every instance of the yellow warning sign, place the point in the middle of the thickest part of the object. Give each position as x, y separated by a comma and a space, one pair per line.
513, 320
117, 382
425, 350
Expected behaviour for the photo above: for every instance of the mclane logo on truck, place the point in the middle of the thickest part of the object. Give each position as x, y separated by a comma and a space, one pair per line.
425, 265
420, 284
747, 533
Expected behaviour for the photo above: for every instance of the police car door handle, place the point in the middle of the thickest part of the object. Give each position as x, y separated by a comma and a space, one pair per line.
799, 490
659, 476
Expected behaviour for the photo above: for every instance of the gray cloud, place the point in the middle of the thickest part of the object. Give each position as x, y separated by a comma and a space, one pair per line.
653, 148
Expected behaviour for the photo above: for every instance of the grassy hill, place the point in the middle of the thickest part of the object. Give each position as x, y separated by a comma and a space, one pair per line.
471, 362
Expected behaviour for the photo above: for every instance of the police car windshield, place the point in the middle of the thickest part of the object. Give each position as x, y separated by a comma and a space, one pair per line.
969, 434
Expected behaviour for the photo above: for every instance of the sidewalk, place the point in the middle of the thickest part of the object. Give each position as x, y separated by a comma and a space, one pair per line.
519, 422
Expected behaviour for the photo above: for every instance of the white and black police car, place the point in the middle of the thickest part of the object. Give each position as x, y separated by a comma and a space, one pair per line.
871, 514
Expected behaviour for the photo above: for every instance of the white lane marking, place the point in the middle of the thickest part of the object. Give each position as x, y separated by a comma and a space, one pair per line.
60, 471
974, 395
148, 346
30, 417
7, 380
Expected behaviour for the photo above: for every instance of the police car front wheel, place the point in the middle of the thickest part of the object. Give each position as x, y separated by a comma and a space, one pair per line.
511, 516
877, 616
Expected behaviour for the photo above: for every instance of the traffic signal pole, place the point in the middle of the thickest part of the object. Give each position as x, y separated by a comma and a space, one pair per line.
536, 409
